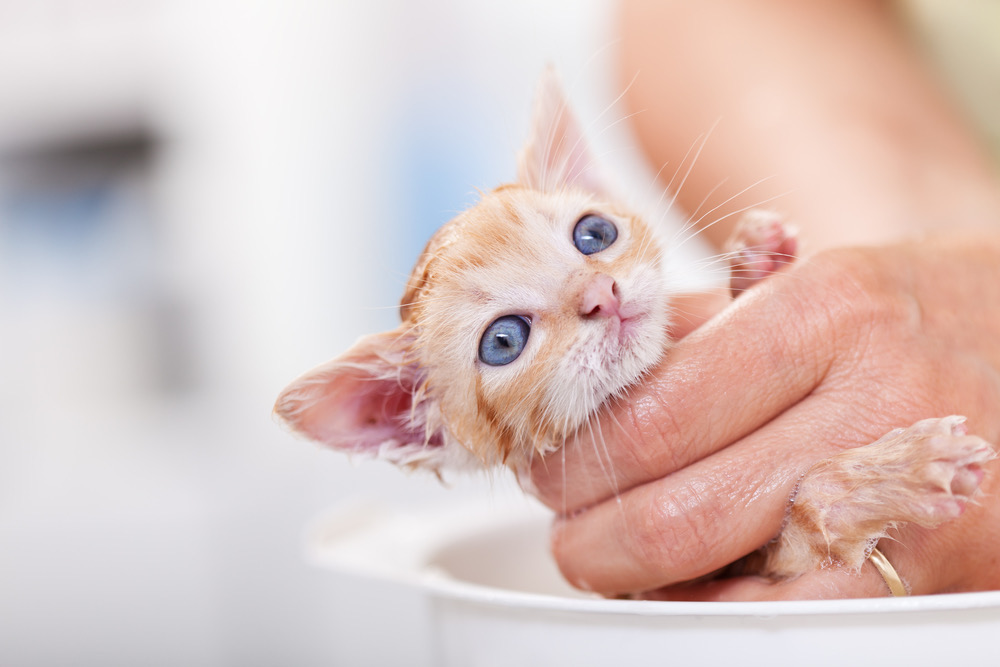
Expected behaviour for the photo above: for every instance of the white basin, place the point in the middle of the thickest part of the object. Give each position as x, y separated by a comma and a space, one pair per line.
496, 598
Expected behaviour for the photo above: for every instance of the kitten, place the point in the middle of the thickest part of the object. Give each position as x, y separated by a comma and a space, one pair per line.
522, 316
547, 299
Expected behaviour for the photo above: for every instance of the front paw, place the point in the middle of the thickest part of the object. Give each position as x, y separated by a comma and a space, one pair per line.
762, 243
939, 467
925, 474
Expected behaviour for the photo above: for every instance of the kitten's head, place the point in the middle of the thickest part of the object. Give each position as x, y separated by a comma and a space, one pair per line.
522, 317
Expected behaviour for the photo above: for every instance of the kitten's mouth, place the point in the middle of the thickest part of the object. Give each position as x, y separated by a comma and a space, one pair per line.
625, 329
628, 320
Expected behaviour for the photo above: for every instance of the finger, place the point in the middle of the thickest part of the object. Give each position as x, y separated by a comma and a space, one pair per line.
914, 553
734, 374
823, 584
707, 515
692, 522
711, 513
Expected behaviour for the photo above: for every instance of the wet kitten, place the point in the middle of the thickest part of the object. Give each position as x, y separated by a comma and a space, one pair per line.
528, 312
522, 317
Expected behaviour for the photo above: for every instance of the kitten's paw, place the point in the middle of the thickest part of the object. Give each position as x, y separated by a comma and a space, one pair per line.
925, 474
938, 466
762, 243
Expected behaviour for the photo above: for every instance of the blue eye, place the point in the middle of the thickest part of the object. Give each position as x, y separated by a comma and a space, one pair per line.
504, 340
593, 234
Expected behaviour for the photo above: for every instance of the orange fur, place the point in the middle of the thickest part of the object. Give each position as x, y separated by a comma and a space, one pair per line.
420, 396
511, 254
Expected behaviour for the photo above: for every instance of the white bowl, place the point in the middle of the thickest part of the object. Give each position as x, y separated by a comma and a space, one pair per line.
496, 598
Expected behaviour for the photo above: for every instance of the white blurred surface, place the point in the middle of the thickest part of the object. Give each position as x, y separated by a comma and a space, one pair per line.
496, 598
273, 170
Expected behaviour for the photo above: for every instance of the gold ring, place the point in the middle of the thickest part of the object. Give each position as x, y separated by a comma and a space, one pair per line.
889, 574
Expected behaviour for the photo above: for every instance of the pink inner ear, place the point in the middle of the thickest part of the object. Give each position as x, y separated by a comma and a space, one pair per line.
362, 401
358, 412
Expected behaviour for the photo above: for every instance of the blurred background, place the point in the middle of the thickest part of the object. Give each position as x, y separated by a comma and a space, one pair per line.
199, 200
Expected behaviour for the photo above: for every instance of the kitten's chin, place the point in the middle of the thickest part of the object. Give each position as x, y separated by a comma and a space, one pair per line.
642, 338
631, 331
642, 343
634, 347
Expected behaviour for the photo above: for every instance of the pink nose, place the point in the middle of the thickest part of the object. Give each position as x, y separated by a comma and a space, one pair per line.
599, 298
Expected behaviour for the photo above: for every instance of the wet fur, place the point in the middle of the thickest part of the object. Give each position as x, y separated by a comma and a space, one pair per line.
419, 397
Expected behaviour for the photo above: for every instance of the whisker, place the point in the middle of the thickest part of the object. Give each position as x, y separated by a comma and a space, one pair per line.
602, 453
708, 196
614, 419
694, 160
743, 209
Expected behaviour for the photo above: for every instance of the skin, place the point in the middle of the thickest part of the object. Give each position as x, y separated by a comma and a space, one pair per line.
892, 316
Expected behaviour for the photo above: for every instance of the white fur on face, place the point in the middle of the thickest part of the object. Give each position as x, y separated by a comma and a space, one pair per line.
419, 396
515, 255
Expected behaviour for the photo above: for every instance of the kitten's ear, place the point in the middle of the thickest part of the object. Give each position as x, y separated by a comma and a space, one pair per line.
368, 401
556, 154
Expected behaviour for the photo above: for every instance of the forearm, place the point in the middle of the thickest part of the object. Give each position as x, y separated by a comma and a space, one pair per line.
820, 109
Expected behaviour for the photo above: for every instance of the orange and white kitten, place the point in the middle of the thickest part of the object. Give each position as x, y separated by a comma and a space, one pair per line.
522, 316
531, 310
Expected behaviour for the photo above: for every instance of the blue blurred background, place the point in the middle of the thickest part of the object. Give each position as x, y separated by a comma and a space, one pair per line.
199, 200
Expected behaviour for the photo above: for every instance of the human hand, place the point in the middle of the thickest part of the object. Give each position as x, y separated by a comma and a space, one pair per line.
694, 469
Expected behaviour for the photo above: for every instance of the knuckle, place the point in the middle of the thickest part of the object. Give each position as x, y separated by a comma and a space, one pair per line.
856, 303
861, 289
848, 288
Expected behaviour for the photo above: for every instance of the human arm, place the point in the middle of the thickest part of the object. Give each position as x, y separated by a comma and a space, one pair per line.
824, 110
695, 468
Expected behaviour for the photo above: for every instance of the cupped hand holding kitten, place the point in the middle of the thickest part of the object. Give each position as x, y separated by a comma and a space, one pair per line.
864, 153
830, 355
